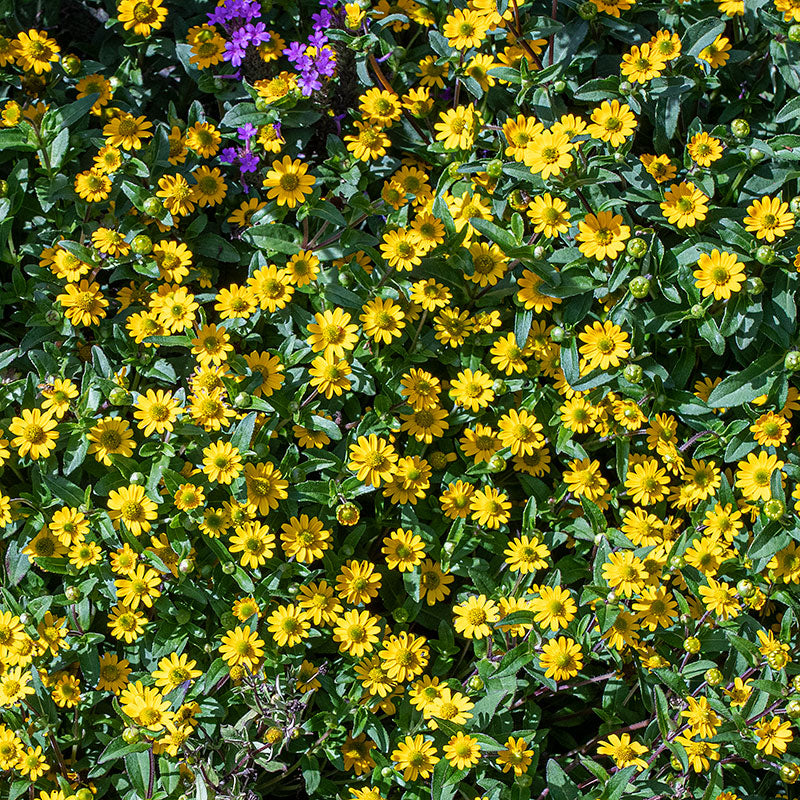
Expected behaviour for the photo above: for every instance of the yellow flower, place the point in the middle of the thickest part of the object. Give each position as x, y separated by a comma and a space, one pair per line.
141, 16
241, 647
127, 131
156, 411
624, 751
612, 122
34, 51
35, 433
605, 345
720, 274
769, 218
642, 64
602, 235
415, 756
465, 29
516, 756
716, 54
684, 205
288, 182
754, 475
473, 617
456, 128
131, 506
84, 302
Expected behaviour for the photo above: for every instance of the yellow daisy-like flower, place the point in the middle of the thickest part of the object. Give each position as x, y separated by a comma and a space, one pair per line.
720, 274
612, 122
602, 235
684, 205
561, 658
605, 345
131, 506
769, 218
35, 433
288, 182
141, 16
35, 50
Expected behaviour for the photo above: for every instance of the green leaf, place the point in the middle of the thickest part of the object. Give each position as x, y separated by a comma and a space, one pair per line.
141, 772
701, 35
561, 786
743, 387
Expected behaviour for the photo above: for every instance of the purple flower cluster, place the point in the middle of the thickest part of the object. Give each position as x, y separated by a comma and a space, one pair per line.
243, 156
322, 64
236, 17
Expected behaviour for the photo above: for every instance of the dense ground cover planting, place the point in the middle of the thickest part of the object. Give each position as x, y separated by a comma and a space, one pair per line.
397, 400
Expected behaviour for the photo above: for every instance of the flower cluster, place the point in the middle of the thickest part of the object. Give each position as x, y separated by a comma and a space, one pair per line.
407, 413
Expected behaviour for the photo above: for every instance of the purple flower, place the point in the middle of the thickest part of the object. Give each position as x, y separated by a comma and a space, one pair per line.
234, 51
248, 162
309, 82
321, 20
317, 39
257, 34
228, 155
295, 51
246, 132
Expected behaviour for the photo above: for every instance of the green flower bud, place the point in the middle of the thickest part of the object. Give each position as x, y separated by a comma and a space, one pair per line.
497, 463
691, 645
475, 683
740, 128
754, 286
494, 169
499, 386
794, 33
745, 588
636, 247
227, 620
790, 772
766, 255
73, 594
142, 244
241, 399
639, 287
774, 509
185, 566
136, 477
153, 207
625, 87
792, 361
229, 567
559, 86
755, 155
71, 64
130, 735
52, 316
794, 205
632, 373
793, 709
713, 677
697, 311
120, 397
796, 683
401, 615
558, 334
587, 10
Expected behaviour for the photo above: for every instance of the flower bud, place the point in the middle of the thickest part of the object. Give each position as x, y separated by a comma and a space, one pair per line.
639, 287
52, 316
475, 683
130, 735
587, 10
793, 709
740, 128
745, 588
229, 567
636, 247
186, 566
754, 286
494, 169
792, 361
774, 509
713, 677
691, 644
72, 593
632, 373
794, 33
790, 772
142, 244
